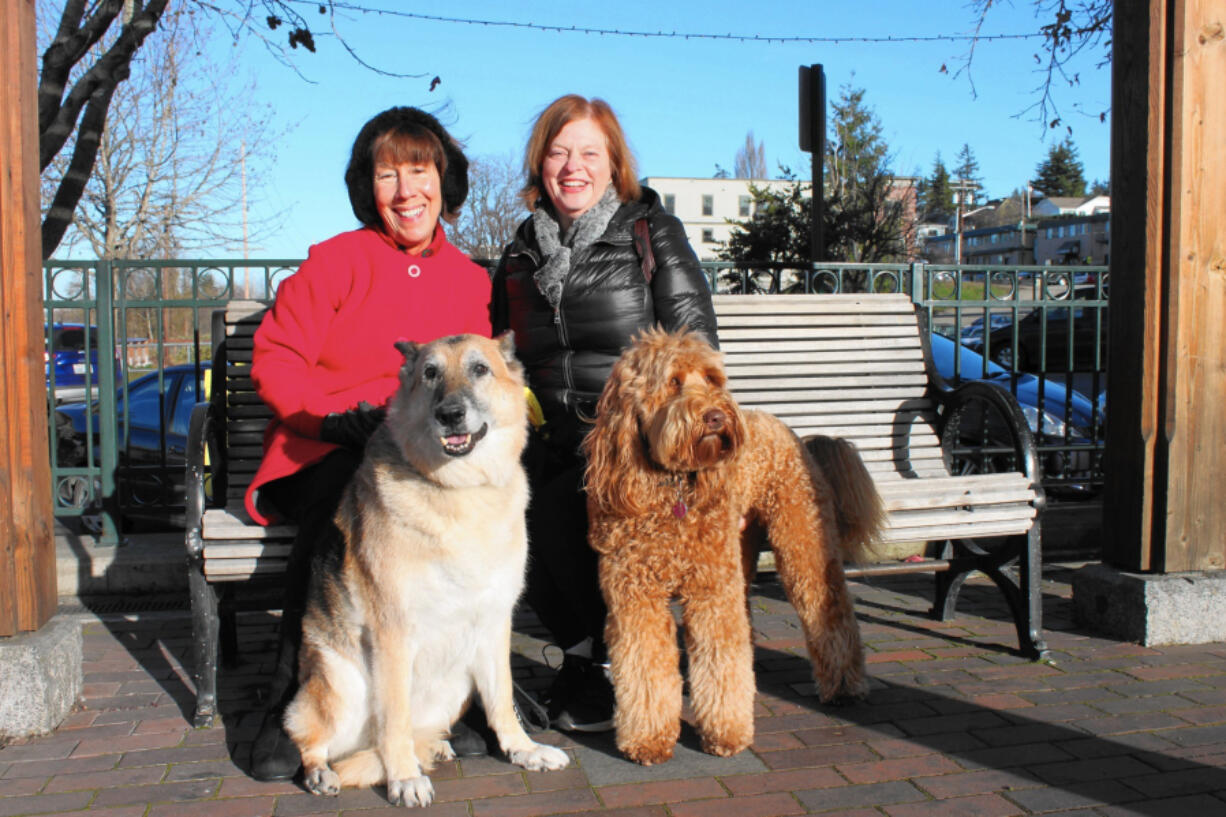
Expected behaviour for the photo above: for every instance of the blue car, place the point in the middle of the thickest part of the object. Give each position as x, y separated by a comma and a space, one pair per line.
67, 365
152, 442
1063, 420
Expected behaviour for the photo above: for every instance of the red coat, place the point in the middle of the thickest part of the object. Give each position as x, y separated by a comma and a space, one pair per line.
327, 342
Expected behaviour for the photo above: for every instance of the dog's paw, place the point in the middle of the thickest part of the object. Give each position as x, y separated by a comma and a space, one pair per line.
723, 748
442, 751
540, 758
322, 781
846, 692
412, 791
647, 754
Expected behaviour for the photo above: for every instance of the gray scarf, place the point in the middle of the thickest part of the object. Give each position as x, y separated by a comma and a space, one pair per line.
557, 249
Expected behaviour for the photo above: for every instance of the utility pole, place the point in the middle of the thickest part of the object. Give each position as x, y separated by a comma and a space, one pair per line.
961, 188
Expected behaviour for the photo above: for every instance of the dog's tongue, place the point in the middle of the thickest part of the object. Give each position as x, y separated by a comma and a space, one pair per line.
456, 439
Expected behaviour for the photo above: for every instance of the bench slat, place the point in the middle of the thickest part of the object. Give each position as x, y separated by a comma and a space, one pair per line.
230, 523
247, 550
234, 570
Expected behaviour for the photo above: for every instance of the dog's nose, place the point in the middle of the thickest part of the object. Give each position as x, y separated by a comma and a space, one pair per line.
714, 420
450, 415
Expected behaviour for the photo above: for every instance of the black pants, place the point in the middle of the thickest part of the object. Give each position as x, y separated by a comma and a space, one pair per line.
562, 584
308, 498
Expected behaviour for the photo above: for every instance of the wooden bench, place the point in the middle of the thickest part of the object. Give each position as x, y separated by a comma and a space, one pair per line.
860, 367
853, 366
233, 563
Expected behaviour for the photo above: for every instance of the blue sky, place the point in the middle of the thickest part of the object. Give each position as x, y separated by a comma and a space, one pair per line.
686, 104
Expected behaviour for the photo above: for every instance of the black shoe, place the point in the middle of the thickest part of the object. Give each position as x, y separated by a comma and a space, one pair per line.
467, 741
581, 697
273, 755
532, 716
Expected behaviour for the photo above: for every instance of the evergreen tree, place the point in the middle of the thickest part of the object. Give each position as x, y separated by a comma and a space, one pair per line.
862, 222
779, 228
967, 174
1061, 173
935, 195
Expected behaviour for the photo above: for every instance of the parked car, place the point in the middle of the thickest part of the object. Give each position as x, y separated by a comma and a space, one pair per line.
1050, 326
1062, 419
974, 330
67, 366
152, 443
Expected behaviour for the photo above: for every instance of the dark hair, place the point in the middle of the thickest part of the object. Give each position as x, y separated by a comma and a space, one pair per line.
557, 115
406, 132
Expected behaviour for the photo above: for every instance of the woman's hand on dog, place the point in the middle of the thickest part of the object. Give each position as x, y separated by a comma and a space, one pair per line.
352, 428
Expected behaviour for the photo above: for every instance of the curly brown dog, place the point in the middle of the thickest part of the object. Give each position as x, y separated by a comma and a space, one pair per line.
675, 471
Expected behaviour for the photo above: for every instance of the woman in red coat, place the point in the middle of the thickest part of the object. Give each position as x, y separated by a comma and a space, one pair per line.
324, 359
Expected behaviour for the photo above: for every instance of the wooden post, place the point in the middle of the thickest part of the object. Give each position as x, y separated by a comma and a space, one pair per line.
1166, 429
27, 544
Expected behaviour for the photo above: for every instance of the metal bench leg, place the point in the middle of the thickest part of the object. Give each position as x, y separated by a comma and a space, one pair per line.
1030, 576
229, 634
204, 644
1023, 595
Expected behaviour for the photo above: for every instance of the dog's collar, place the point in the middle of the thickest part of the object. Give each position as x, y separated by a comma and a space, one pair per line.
676, 480
679, 481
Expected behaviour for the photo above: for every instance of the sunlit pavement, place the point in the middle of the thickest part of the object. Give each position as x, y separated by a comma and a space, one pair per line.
956, 724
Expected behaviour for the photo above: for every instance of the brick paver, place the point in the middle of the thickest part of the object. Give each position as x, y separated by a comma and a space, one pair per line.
956, 725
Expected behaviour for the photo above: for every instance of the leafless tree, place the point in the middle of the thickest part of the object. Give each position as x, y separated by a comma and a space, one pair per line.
1072, 27
750, 160
493, 209
181, 146
90, 53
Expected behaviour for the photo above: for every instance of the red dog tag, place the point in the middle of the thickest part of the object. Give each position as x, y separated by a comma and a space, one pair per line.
679, 508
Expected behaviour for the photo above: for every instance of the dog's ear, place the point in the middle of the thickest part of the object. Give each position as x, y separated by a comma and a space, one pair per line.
410, 350
407, 348
618, 472
506, 348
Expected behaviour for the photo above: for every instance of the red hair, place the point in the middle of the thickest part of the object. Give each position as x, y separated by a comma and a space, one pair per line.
560, 113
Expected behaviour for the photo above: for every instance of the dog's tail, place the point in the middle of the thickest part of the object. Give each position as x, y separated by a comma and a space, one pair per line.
364, 768
859, 512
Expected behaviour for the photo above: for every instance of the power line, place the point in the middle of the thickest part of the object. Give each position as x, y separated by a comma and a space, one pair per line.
674, 35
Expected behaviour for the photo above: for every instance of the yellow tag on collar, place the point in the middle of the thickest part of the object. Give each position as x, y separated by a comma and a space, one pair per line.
536, 415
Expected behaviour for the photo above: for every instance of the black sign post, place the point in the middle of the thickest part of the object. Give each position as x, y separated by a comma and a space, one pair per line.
813, 140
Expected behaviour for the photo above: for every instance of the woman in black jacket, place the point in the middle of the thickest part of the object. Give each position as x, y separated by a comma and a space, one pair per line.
597, 261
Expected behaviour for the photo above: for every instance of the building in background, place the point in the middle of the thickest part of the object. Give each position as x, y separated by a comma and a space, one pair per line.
705, 207
1062, 231
1070, 206
1079, 239
1010, 245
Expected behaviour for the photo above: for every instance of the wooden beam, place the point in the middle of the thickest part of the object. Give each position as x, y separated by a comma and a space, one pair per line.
1166, 436
27, 544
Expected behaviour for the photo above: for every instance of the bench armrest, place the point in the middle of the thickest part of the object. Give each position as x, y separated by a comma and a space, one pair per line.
199, 439
999, 418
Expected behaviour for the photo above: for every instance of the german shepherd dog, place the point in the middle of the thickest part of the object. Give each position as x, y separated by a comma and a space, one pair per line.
412, 613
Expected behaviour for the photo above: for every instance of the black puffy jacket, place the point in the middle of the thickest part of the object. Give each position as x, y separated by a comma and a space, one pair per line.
606, 299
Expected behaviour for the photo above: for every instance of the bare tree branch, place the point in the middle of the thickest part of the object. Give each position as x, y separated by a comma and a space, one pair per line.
1075, 27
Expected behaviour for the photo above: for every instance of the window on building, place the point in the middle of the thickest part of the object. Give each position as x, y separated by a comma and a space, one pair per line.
744, 203
708, 236
708, 205
670, 204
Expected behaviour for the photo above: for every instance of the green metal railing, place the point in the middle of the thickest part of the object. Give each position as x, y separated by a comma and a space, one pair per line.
155, 314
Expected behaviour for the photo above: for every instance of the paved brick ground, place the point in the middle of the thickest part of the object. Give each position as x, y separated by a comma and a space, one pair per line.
956, 726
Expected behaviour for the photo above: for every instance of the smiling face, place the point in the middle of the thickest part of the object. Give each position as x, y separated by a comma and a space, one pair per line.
408, 196
577, 169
